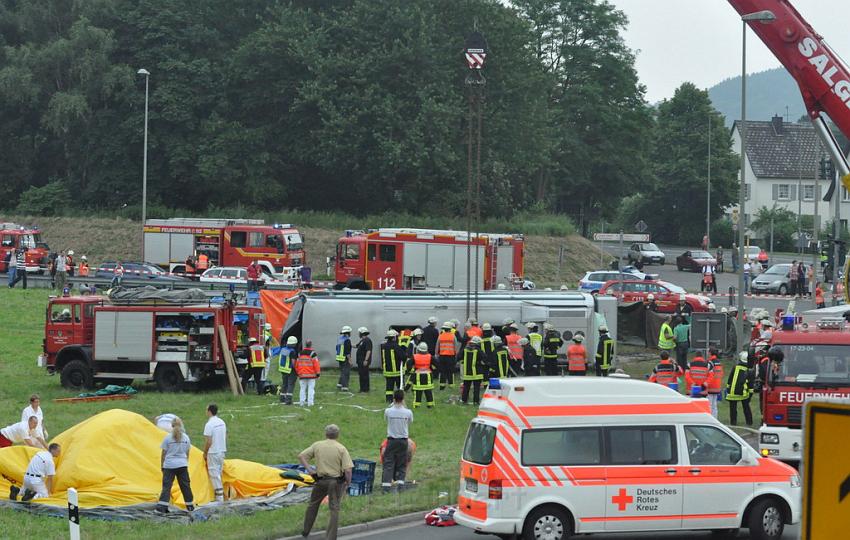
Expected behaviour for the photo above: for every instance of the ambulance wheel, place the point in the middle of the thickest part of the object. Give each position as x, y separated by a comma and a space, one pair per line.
547, 523
76, 375
766, 521
168, 378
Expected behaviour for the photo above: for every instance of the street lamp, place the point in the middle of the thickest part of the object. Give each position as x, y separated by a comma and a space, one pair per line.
146, 74
765, 16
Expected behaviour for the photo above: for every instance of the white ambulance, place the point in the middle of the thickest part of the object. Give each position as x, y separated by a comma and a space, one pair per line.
550, 457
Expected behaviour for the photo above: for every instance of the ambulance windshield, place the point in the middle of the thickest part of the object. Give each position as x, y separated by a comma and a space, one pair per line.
479, 444
815, 364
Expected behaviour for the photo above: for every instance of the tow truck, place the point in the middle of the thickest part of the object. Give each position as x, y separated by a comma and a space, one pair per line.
816, 366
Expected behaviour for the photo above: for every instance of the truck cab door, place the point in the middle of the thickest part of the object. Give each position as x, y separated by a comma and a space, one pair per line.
64, 326
383, 261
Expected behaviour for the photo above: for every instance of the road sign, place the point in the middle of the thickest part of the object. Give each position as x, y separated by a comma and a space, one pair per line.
708, 330
615, 237
735, 216
641, 226
826, 478
476, 50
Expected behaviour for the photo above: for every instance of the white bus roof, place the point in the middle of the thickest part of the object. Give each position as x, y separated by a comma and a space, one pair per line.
202, 222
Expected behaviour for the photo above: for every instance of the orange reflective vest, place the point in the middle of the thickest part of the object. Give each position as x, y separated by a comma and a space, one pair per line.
447, 344
698, 372
514, 348
422, 362
576, 357
307, 364
83, 270
715, 383
474, 331
665, 373
203, 262
258, 356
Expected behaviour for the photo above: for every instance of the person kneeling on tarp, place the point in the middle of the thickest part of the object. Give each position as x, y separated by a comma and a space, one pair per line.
38, 480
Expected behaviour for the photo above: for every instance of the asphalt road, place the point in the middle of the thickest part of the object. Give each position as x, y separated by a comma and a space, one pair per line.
421, 531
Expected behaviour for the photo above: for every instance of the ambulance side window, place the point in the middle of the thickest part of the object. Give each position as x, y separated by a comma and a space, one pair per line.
478, 447
649, 445
562, 446
708, 445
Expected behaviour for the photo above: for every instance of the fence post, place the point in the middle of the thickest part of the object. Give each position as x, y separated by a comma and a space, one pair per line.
732, 295
73, 514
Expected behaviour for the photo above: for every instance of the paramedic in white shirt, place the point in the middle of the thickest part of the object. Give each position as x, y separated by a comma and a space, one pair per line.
215, 432
34, 409
38, 480
21, 433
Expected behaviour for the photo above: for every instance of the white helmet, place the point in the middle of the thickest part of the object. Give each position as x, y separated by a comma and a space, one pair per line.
743, 357
432, 320
392, 333
682, 298
267, 326
473, 321
84, 258
603, 328
486, 326
531, 325
548, 326
345, 330
292, 340
513, 326
650, 296
497, 340
475, 340
455, 323
447, 325
66, 312
564, 288
70, 252
422, 347
416, 332
501, 287
578, 338
362, 330
508, 321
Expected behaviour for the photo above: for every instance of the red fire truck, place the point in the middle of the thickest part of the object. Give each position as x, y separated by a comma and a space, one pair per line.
14, 236
227, 242
87, 339
816, 366
427, 259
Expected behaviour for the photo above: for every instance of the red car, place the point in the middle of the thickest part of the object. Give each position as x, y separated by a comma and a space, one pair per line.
666, 294
694, 260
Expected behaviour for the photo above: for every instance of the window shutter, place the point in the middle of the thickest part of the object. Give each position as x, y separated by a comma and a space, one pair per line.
775, 191
792, 192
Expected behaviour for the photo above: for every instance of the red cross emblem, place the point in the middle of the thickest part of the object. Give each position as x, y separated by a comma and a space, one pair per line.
622, 500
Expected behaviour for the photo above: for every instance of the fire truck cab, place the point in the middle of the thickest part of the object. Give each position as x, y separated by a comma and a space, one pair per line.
816, 366
388, 259
14, 236
550, 457
87, 339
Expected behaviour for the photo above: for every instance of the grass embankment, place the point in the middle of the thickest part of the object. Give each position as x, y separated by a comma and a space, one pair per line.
103, 239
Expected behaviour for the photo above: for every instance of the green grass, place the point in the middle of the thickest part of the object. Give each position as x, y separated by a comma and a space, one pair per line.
259, 430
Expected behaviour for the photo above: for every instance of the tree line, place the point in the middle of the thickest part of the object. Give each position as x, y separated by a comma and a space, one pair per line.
344, 105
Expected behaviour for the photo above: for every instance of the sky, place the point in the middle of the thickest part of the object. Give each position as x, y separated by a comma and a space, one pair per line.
700, 40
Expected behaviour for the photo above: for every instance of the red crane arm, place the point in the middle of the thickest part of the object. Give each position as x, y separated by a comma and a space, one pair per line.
822, 76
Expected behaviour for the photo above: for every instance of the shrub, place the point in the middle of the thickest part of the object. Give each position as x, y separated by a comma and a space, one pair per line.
49, 200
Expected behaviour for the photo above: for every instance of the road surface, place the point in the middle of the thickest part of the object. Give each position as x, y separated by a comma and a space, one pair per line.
419, 531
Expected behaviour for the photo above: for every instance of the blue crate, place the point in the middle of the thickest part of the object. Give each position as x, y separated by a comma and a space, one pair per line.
364, 467
359, 487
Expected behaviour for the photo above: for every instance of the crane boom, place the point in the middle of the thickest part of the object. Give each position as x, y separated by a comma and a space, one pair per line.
822, 76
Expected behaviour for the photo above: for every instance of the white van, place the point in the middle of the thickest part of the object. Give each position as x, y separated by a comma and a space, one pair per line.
550, 457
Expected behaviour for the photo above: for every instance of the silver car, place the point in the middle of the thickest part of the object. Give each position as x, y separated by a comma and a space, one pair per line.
777, 279
646, 253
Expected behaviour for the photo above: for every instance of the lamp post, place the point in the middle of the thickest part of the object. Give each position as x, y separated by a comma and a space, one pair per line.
146, 74
708, 189
764, 16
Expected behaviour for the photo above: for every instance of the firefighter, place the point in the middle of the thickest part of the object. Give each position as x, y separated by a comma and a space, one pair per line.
530, 360
472, 370
83, 270
699, 374
514, 348
649, 304
666, 340
666, 372
343, 357
392, 361
447, 350
604, 352
422, 366
308, 369
488, 348
577, 356
404, 338
739, 390
474, 329
203, 262
500, 367
683, 308
256, 365
285, 363
415, 340
505, 329
189, 265
535, 339
430, 335
551, 343
364, 358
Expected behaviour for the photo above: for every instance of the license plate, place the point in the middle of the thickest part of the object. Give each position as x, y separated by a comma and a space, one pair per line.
472, 485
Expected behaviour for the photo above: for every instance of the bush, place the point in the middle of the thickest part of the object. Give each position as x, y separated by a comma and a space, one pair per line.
49, 200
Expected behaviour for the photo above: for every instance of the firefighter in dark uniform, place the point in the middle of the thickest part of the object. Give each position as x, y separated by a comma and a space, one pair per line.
530, 360
500, 367
430, 335
422, 367
392, 362
551, 343
604, 352
739, 389
487, 347
472, 370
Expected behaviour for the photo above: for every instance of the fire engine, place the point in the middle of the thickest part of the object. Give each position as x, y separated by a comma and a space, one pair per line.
87, 339
14, 236
227, 242
427, 259
816, 366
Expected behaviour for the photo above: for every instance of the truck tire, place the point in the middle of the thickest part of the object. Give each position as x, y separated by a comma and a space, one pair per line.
77, 375
765, 521
168, 378
547, 523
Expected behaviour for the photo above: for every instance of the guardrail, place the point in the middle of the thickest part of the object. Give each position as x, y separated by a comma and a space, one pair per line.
44, 282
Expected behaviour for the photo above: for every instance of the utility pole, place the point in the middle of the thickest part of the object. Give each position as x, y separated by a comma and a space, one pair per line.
708, 190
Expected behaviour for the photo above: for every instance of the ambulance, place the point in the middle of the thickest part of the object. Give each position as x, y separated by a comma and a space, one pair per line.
550, 457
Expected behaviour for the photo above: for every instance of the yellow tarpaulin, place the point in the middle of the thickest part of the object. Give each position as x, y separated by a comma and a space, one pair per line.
113, 459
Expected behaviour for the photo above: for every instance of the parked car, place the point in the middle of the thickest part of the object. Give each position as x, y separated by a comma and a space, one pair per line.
645, 253
694, 260
228, 275
593, 281
136, 270
666, 294
751, 252
776, 279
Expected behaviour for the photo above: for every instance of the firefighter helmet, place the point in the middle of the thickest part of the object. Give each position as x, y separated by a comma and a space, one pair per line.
776, 354
422, 347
